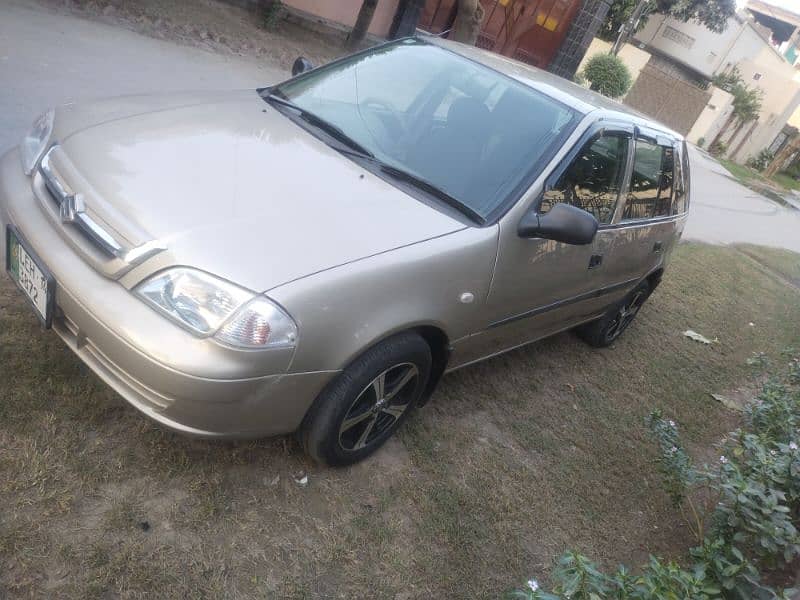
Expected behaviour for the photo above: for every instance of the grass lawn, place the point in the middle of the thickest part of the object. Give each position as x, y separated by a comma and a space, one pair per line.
750, 177
783, 180
514, 460
741, 172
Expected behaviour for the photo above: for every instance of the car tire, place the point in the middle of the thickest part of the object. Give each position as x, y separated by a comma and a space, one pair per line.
368, 401
606, 330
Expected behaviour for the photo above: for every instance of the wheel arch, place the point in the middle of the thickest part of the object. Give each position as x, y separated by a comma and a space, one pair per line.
438, 341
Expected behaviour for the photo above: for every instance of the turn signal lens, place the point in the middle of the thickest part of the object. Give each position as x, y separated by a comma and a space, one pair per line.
259, 324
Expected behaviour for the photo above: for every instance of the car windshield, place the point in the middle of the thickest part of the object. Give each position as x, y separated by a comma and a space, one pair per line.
457, 126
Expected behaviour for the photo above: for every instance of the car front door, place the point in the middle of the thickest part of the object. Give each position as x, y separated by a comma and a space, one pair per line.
542, 286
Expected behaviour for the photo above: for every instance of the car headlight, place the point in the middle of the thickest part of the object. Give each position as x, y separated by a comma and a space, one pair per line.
35, 142
209, 306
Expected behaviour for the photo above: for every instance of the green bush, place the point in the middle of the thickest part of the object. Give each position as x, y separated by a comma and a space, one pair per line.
761, 160
742, 512
718, 149
608, 75
272, 13
792, 171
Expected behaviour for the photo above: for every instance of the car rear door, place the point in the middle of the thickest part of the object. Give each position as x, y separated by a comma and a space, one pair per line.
645, 228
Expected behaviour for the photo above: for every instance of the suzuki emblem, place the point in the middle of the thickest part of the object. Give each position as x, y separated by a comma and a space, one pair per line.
71, 207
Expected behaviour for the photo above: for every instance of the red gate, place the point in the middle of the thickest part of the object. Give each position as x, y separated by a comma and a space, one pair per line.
529, 30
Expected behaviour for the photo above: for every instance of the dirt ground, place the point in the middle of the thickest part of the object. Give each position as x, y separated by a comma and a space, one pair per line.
514, 460
210, 25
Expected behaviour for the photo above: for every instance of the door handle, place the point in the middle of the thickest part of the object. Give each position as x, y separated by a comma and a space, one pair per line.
595, 261
657, 247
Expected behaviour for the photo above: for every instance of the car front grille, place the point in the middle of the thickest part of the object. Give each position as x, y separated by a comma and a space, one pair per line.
72, 212
71, 209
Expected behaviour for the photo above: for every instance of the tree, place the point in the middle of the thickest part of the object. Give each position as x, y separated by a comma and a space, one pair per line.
746, 102
626, 17
714, 14
361, 27
467, 25
618, 14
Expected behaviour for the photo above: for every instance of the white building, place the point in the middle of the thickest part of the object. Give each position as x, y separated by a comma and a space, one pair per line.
700, 54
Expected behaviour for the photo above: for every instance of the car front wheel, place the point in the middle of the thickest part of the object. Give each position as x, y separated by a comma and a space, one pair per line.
368, 401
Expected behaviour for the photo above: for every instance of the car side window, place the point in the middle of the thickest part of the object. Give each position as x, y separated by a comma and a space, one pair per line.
652, 180
681, 184
592, 181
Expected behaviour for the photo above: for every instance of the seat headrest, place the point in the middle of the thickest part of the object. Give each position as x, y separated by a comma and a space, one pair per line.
468, 113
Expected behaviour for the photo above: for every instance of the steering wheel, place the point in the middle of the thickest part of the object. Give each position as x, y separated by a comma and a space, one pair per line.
387, 115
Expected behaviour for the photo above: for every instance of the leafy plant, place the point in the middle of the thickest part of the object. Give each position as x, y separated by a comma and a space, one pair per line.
741, 511
272, 12
714, 14
718, 148
608, 75
761, 160
727, 80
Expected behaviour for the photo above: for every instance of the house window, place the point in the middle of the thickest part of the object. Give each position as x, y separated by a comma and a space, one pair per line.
756, 76
678, 37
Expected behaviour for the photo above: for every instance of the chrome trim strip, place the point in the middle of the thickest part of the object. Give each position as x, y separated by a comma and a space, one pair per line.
60, 192
57, 187
99, 235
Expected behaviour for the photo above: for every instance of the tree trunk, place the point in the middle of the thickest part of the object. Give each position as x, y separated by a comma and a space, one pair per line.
781, 157
468, 22
735, 153
723, 131
406, 18
362, 24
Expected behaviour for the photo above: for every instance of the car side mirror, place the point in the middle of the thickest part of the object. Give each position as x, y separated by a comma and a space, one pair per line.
301, 65
562, 223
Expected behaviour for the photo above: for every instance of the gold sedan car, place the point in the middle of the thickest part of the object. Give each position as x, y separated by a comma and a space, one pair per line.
315, 255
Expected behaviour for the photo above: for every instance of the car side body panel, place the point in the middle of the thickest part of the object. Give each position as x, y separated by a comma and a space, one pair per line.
441, 283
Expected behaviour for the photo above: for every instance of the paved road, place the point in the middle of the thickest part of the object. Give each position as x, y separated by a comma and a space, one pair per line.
724, 211
48, 59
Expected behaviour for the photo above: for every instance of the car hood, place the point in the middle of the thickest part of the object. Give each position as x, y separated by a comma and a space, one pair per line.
229, 185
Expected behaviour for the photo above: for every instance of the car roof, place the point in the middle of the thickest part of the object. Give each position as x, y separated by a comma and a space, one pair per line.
563, 90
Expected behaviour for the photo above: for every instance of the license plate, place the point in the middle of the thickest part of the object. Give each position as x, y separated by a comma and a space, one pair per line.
30, 275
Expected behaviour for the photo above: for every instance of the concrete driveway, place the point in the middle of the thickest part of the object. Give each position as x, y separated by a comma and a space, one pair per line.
48, 59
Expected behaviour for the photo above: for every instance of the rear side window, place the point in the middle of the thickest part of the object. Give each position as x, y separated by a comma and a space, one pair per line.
652, 180
592, 181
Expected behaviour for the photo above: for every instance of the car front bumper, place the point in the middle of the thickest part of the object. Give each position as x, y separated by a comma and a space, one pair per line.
190, 385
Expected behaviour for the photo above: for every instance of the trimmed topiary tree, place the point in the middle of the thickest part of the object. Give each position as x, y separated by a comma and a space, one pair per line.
608, 75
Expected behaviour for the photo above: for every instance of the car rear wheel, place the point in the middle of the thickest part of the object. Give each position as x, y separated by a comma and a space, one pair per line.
368, 401
607, 329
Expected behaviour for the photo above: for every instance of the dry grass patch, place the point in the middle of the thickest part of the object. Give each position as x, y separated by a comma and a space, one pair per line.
513, 461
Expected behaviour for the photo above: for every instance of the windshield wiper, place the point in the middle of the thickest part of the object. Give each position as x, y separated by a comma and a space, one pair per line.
426, 186
320, 123
356, 149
